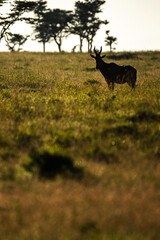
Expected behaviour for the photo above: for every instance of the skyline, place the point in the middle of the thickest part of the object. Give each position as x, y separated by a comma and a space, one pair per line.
135, 24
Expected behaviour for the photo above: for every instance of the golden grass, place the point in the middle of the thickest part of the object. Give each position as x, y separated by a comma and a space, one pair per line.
73, 210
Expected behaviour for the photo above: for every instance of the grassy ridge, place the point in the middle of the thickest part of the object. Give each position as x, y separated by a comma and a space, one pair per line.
57, 108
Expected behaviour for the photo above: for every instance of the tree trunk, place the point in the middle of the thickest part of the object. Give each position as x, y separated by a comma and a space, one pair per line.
44, 47
59, 44
89, 46
91, 43
81, 44
110, 45
59, 47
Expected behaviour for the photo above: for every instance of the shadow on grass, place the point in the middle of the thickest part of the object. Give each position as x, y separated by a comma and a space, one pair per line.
99, 154
90, 69
145, 116
90, 230
121, 130
49, 165
91, 82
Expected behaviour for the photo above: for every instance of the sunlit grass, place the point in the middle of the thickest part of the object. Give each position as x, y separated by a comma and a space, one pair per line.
57, 107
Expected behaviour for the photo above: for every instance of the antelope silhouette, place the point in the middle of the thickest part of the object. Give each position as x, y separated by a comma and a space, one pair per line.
114, 73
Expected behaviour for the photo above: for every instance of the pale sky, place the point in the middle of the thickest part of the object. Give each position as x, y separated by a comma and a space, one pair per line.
135, 23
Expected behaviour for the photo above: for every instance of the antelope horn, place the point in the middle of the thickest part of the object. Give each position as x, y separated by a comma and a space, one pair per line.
95, 51
100, 51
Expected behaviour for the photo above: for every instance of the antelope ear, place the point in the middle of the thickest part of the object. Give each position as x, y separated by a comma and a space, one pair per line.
93, 56
103, 56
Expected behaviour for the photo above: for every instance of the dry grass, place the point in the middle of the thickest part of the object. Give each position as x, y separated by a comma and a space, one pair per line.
73, 210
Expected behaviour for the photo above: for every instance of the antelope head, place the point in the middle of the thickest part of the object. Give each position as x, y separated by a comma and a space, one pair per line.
98, 57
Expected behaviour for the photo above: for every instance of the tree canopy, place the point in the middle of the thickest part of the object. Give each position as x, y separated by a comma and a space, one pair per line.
15, 41
86, 23
110, 40
17, 9
54, 24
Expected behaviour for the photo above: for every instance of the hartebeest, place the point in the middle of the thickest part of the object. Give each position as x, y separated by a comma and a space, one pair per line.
114, 73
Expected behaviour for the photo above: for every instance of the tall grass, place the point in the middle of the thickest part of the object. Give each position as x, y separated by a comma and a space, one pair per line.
78, 161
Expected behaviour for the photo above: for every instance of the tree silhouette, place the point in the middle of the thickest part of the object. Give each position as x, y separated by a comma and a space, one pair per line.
42, 33
51, 24
15, 41
86, 24
41, 8
55, 24
59, 25
1, 2
110, 40
79, 22
17, 9
40, 23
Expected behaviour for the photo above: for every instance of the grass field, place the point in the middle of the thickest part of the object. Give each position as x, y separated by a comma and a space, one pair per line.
77, 161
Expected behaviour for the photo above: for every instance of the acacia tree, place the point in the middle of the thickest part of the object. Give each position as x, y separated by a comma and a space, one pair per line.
86, 23
40, 23
17, 9
59, 25
110, 40
15, 41
42, 34
40, 9
79, 22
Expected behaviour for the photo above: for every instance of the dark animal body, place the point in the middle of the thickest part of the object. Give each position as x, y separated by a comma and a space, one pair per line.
114, 73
